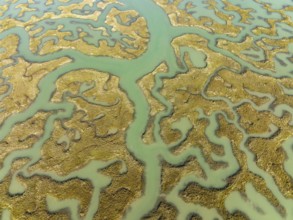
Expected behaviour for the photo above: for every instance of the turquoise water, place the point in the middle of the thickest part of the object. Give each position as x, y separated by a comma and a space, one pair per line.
159, 50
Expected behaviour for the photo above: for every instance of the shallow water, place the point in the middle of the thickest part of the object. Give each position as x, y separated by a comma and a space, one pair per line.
146, 109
